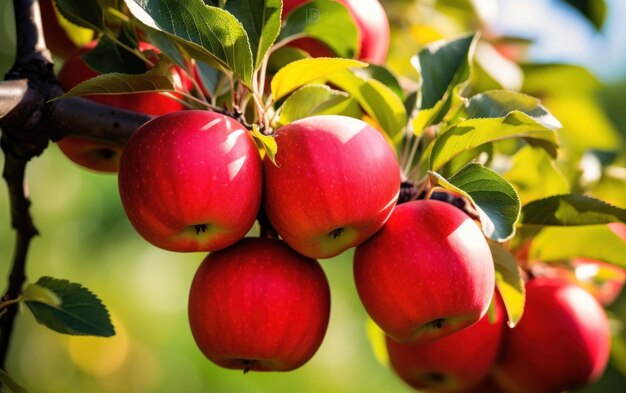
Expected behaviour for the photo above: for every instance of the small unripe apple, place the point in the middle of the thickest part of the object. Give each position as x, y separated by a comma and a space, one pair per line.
561, 343
191, 181
100, 156
372, 26
259, 305
426, 274
455, 363
335, 184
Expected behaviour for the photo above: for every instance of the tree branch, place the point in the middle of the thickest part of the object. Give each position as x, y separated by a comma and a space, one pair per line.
13, 173
89, 119
20, 142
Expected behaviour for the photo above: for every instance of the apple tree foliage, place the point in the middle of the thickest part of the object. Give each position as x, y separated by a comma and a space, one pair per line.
450, 132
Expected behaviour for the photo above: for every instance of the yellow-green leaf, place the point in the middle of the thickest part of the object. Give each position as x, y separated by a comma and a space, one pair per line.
305, 71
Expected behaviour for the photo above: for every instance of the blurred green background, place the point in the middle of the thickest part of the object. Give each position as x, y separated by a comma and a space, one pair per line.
86, 238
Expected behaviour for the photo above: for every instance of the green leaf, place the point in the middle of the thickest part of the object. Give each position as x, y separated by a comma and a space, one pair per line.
509, 283
6, 380
209, 34
85, 13
283, 56
597, 242
471, 133
267, 142
312, 100
499, 103
378, 101
305, 71
108, 57
556, 79
79, 313
261, 19
443, 65
328, 22
377, 339
157, 79
594, 10
571, 210
166, 45
37, 293
382, 75
534, 175
493, 197
209, 77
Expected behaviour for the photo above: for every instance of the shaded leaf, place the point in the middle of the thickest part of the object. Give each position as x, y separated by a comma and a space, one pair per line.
509, 283
79, 313
108, 57
382, 75
493, 197
302, 72
327, 21
443, 65
6, 380
261, 19
471, 133
594, 10
499, 103
571, 210
312, 100
157, 79
378, 101
85, 13
209, 34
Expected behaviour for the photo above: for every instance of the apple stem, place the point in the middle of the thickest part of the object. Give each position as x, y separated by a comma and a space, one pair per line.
336, 233
247, 365
201, 228
438, 323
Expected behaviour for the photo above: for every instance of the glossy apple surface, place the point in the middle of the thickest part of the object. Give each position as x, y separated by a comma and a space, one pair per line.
191, 181
101, 156
561, 343
426, 274
455, 363
259, 305
336, 183
372, 26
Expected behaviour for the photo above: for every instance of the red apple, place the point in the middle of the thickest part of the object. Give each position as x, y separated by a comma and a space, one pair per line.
259, 305
426, 274
101, 156
372, 26
455, 363
191, 181
335, 184
562, 342
488, 386
98, 156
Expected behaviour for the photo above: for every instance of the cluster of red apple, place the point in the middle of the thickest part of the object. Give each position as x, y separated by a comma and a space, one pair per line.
561, 343
195, 181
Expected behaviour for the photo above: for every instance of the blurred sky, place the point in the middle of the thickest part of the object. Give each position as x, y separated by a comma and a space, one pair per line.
562, 35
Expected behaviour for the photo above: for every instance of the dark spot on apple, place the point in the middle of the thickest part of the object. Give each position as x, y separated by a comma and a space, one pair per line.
336, 233
201, 228
247, 365
438, 323
435, 377
105, 153
116, 124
